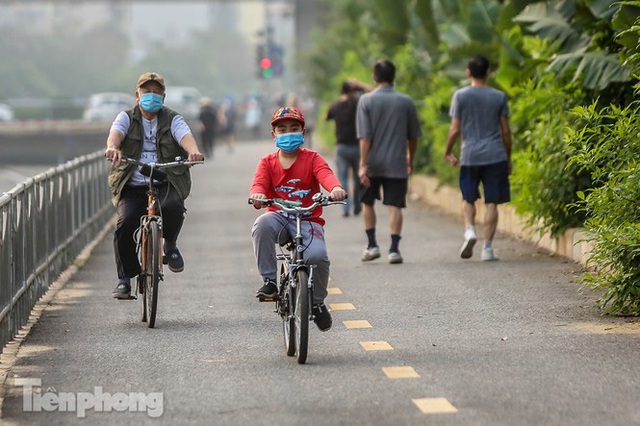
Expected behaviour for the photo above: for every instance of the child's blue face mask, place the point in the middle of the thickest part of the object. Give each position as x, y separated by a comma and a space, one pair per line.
289, 142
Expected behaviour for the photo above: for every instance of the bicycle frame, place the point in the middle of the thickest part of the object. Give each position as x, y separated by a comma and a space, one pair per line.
148, 239
297, 249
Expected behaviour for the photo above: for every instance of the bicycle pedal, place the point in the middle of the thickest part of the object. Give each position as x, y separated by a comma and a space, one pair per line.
131, 297
267, 299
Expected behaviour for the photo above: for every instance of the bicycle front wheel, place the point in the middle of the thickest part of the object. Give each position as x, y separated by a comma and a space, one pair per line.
301, 315
285, 307
152, 268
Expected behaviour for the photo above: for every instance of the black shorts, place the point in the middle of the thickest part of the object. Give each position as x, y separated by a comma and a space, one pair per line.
394, 191
494, 179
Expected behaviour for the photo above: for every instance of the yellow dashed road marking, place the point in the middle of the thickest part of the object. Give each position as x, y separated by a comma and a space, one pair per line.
342, 306
334, 290
434, 405
400, 372
357, 324
376, 346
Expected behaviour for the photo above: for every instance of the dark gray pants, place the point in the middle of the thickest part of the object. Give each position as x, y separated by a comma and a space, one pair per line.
265, 233
132, 206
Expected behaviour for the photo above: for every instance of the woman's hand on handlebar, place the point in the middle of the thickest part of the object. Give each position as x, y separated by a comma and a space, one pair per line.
257, 204
338, 194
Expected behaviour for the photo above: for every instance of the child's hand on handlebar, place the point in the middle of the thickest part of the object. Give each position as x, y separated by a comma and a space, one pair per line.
338, 194
257, 204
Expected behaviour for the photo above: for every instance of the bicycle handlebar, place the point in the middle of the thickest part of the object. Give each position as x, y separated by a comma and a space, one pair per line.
178, 162
153, 169
290, 206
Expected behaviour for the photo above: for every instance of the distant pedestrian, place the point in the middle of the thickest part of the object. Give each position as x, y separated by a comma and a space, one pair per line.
252, 117
229, 127
208, 124
388, 128
343, 113
480, 114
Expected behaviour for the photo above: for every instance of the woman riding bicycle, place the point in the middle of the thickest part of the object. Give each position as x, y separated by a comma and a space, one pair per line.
150, 133
292, 173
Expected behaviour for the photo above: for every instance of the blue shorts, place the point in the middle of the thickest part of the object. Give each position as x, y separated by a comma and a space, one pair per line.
494, 179
394, 191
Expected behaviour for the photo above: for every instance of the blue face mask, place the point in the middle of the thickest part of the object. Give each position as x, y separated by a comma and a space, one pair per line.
151, 102
289, 142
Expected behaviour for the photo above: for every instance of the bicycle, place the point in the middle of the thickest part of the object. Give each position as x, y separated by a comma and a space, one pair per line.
148, 238
295, 282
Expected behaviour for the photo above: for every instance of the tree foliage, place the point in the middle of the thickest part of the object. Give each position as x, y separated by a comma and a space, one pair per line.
607, 147
551, 58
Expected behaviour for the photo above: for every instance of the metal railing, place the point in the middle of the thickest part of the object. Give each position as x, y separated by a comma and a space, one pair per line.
45, 223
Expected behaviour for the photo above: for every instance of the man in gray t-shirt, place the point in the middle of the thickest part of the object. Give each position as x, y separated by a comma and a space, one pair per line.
480, 114
388, 128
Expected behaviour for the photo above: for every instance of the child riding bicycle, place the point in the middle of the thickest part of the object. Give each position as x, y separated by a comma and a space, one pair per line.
292, 173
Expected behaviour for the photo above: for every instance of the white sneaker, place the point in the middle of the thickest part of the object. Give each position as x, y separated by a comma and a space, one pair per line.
488, 254
470, 239
370, 254
395, 257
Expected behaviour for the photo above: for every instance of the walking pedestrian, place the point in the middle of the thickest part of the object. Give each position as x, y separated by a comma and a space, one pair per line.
388, 129
252, 116
480, 115
208, 124
229, 125
343, 113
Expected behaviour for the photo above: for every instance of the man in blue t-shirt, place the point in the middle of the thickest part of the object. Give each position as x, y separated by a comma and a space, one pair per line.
480, 115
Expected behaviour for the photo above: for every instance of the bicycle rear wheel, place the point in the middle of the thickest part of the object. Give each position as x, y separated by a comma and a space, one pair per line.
301, 315
152, 267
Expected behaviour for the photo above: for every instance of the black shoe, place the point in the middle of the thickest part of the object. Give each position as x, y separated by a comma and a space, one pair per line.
322, 317
174, 260
122, 291
269, 290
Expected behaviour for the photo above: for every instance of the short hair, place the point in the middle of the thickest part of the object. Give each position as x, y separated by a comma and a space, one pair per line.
346, 88
384, 71
478, 67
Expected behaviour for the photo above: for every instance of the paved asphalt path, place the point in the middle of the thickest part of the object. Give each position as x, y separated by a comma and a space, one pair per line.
513, 342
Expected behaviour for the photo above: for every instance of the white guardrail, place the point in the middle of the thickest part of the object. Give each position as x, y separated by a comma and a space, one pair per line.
45, 223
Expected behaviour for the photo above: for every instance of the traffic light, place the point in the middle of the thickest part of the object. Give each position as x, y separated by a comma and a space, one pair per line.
264, 62
270, 60
266, 66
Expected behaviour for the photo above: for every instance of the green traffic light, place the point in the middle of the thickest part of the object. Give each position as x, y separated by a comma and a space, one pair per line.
267, 72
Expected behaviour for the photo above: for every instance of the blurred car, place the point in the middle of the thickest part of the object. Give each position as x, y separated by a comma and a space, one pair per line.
105, 106
6, 113
184, 100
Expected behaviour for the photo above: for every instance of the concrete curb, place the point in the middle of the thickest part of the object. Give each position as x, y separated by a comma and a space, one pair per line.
570, 245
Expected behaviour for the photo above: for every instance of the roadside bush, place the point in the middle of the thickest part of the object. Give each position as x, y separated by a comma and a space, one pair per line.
607, 146
544, 187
